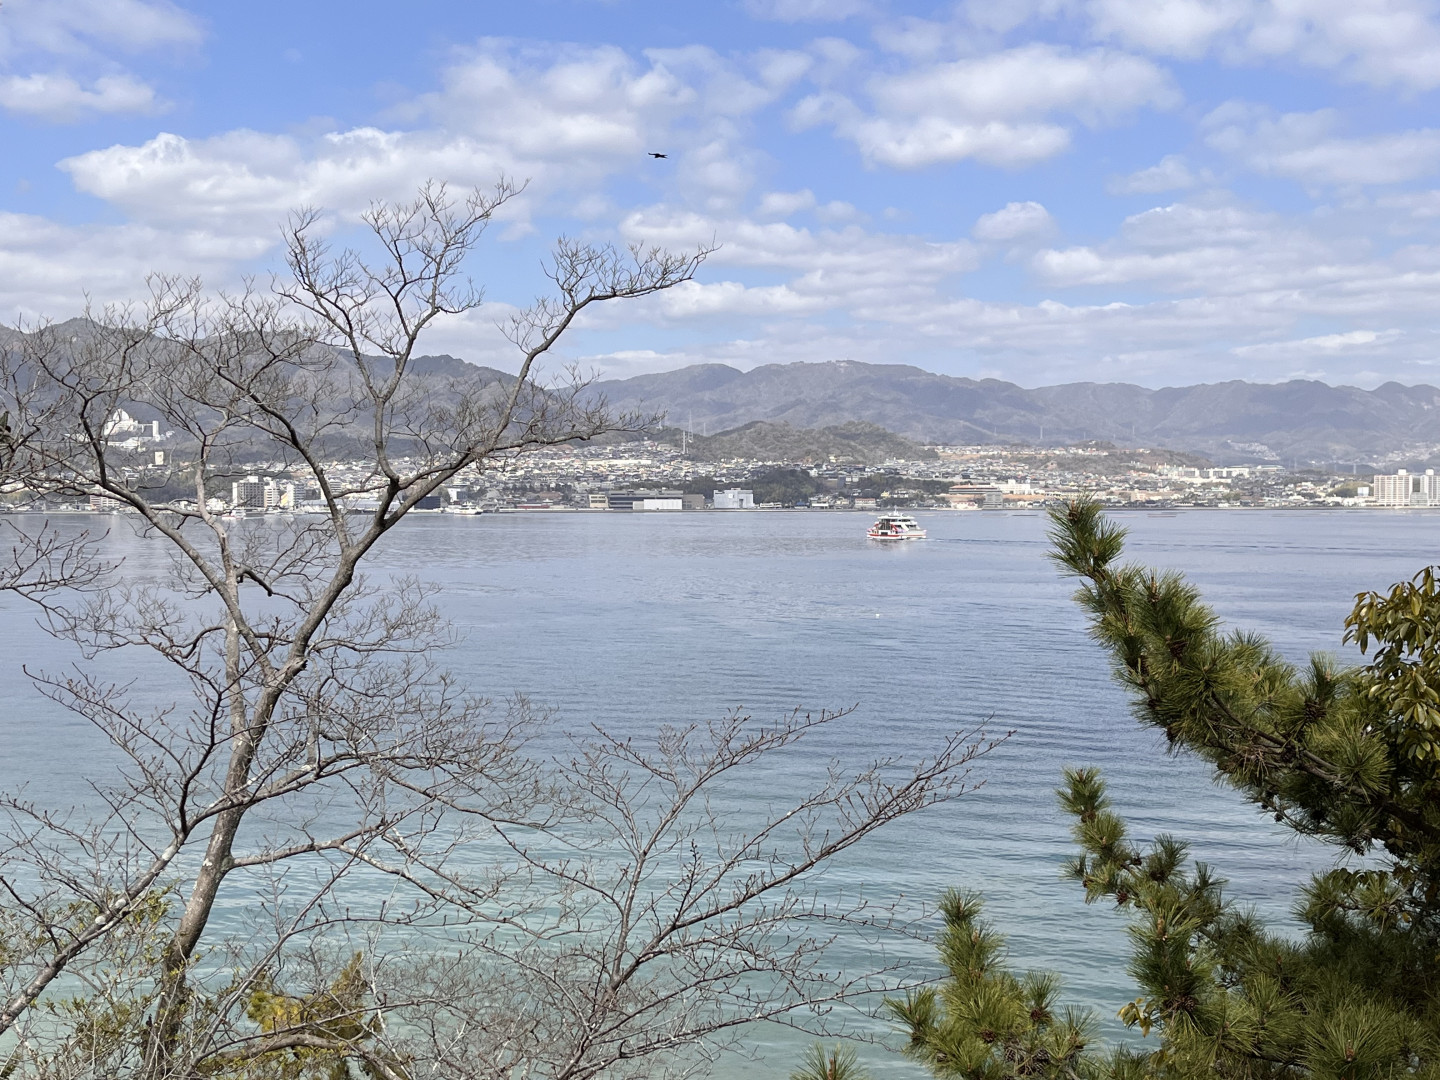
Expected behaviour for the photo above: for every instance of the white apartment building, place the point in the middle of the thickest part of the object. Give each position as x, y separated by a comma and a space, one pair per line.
1406, 489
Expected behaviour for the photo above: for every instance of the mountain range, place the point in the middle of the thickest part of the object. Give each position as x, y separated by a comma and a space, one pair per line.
849, 410
1302, 420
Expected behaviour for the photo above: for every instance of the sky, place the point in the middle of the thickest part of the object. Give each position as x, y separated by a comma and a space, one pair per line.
1162, 192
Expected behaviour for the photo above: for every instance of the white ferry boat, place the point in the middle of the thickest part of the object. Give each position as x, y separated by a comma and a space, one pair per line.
896, 527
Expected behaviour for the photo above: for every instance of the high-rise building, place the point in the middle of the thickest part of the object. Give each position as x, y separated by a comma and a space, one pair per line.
1406, 489
248, 494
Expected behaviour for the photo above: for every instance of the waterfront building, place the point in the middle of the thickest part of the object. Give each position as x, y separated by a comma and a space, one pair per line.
734, 499
253, 493
1406, 489
644, 500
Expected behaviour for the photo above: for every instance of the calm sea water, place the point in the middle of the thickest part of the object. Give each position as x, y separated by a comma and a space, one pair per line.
634, 621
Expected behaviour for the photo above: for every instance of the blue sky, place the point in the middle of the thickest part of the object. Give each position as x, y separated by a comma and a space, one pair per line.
1153, 191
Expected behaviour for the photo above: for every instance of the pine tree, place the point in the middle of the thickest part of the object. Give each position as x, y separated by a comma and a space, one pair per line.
1348, 756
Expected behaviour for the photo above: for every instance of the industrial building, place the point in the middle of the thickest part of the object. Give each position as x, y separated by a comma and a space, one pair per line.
735, 499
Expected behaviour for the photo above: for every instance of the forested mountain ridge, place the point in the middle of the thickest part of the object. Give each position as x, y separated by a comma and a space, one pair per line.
1303, 420
1225, 421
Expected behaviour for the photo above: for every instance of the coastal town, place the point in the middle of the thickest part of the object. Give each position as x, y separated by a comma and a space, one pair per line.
656, 475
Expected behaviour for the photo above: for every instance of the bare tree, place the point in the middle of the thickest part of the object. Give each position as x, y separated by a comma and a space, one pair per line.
440, 898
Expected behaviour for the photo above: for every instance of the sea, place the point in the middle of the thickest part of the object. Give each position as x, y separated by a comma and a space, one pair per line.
635, 621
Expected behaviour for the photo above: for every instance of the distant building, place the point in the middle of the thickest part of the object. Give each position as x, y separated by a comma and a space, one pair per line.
692, 502
644, 500
983, 496
248, 494
599, 501
734, 499
253, 493
123, 427
1407, 489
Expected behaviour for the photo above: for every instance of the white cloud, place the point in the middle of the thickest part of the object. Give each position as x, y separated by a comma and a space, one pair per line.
47, 268
1240, 281
728, 88
694, 300
1014, 221
1171, 173
1303, 146
1389, 43
1098, 86
57, 56
1184, 28
1417, 206
837, 210
86, 28
1379, 42
998, 108
60, 98
929, 140
1205, 281
1212, 250
781, 204
565, 125
555, 104
845, 269
1322, 343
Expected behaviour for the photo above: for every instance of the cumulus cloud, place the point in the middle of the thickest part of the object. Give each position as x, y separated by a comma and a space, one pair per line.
1184, 28
1207, 280
1210, 249
1171, 173
57, 57
47, 268
565, 125
1097, 86
998, 108
1305, 147
731, 88
849, 269
86, 28
555, 103
60, 98
781, 204
1388, 43
1014, 221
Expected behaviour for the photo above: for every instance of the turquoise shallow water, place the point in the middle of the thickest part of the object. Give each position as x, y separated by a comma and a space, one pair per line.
634, 621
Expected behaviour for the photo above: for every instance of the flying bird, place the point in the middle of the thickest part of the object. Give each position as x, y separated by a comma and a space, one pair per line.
655, 155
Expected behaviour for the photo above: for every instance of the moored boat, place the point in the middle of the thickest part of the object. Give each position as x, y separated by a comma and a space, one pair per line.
896, 527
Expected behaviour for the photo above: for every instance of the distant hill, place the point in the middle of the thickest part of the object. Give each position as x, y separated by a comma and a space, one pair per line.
1230, 421
859, 442
869, 412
